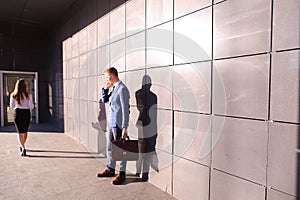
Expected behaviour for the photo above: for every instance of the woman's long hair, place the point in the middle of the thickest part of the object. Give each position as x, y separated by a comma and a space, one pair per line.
20, 89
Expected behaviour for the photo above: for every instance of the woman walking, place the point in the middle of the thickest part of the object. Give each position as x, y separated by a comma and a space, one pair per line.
21, 102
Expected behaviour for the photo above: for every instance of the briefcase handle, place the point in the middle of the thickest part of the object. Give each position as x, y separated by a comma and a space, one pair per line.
125, 138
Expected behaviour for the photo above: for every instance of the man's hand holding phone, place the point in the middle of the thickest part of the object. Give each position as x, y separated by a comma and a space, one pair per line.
108, 84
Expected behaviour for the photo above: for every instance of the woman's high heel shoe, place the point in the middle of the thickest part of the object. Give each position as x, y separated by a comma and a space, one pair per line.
23, 151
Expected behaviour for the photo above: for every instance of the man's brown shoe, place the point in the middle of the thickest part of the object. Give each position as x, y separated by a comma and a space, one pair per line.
119, 179
106, 173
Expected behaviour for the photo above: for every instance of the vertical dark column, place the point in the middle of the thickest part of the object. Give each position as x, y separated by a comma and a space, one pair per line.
1, 51
13, 47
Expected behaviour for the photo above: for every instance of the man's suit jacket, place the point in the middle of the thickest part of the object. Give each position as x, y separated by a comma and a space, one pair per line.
118, 99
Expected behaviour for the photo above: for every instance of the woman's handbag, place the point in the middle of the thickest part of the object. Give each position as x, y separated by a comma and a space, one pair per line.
125, 149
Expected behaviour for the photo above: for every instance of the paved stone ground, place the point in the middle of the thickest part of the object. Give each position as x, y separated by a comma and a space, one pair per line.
57, 167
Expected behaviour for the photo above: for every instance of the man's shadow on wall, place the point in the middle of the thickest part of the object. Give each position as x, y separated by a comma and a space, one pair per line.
101, 127
147, 129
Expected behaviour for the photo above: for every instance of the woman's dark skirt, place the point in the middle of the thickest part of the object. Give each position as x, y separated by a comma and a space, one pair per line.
22, 120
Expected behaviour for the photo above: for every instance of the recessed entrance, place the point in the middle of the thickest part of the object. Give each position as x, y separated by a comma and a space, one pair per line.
8, 81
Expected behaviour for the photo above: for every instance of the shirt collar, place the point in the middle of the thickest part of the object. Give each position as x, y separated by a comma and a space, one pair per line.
117, 83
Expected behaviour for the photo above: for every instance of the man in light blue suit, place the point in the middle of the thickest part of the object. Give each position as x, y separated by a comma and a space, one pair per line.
117, 95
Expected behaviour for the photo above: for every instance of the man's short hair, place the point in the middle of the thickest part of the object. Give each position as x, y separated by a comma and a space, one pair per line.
111, 70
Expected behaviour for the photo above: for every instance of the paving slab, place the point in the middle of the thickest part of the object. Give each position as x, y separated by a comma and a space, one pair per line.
58, 167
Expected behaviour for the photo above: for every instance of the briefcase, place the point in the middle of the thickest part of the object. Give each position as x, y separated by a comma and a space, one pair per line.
125, 149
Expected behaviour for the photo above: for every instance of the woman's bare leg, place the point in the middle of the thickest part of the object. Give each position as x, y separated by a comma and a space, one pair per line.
22, 139
25, 137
